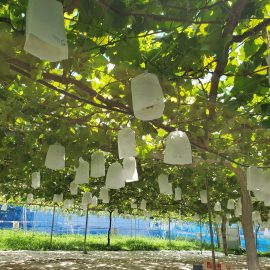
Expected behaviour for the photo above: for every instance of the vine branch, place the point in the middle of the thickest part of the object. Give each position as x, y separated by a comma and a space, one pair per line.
223, 60
155, 16
105, 104
253, 31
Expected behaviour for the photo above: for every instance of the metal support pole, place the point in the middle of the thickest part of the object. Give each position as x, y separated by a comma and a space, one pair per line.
34, 221
170, 229
201, 233
131, 227
135, 233
210, 224
24, 218
52, 227
85, 230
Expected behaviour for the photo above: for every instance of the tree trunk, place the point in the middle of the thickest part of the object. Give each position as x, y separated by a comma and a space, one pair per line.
252, 258
210, 225
224, 236
109, 230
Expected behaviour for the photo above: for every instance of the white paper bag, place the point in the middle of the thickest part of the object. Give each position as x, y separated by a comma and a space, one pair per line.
82, 172
45, 30
97, 165
178, 149
55, 158
147, 97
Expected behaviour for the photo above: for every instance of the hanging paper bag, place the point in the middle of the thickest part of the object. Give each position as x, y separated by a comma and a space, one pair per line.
114, 177
97, 165
82, 172
178, 149
147, 97
45, 30
35, 180
130, 170
55, 158
126, 143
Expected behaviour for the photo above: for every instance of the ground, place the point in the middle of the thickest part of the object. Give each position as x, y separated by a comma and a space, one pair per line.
135, 260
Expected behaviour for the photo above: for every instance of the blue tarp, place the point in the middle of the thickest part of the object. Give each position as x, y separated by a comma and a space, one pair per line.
74, 224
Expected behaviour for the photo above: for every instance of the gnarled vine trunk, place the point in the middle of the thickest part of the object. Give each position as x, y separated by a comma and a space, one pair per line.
252, 258
224, 235
109, 230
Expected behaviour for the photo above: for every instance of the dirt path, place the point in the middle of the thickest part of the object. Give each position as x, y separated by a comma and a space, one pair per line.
135, 260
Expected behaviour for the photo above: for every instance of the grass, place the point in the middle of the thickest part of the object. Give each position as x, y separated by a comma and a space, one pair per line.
19, 240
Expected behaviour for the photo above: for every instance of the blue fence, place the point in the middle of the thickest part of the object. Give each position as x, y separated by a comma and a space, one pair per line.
41, 221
